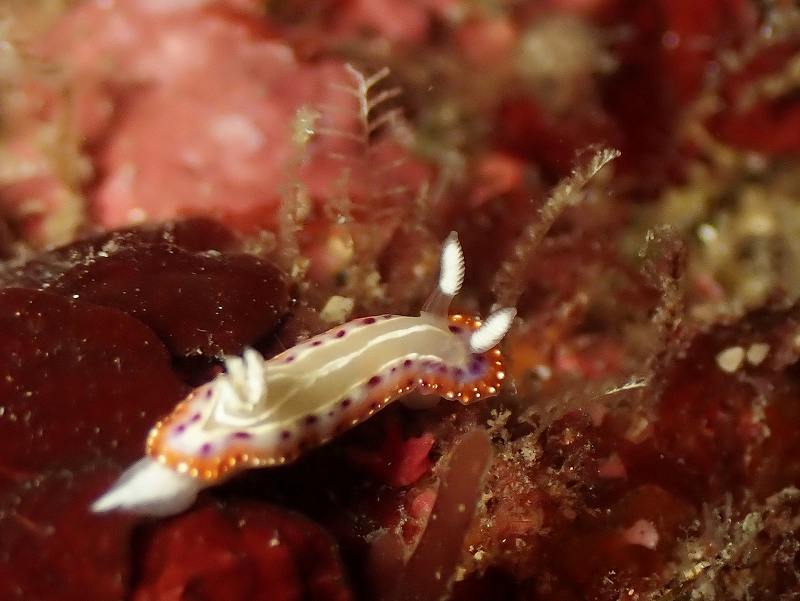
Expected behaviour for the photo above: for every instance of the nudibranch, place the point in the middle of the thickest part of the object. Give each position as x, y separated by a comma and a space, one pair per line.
261, 413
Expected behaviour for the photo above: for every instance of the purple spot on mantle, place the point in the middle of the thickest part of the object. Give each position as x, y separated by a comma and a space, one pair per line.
387, 316
408, 363
455, 329
346, 403
289, 359
286, 435
475, 367
374, 381
194, 419
208, 392
241, 435
442, 369
394, 369
310, 420
458, 372
206, 449
316, 343
180, 429
340, 334
368, 321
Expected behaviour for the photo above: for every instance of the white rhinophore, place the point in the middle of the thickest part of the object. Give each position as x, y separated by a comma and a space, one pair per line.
492, 331
451, 277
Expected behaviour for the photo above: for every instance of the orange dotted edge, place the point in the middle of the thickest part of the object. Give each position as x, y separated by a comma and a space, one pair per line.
240, 457
488, 386
212, 469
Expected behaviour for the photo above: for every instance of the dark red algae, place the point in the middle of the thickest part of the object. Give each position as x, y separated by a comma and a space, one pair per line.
88, 335
241, 552
80, 387
174, 279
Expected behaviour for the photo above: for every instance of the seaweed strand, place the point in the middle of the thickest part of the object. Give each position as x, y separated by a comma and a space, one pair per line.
509, 283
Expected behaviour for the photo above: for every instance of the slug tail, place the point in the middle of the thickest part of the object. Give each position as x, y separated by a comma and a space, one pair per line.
149, 488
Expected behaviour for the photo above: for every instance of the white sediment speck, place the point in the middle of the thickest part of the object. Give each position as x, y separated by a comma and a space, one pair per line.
757, 353
337, 309
730, 359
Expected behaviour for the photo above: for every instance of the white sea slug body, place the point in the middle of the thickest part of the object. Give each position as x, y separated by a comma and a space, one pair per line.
265, 413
